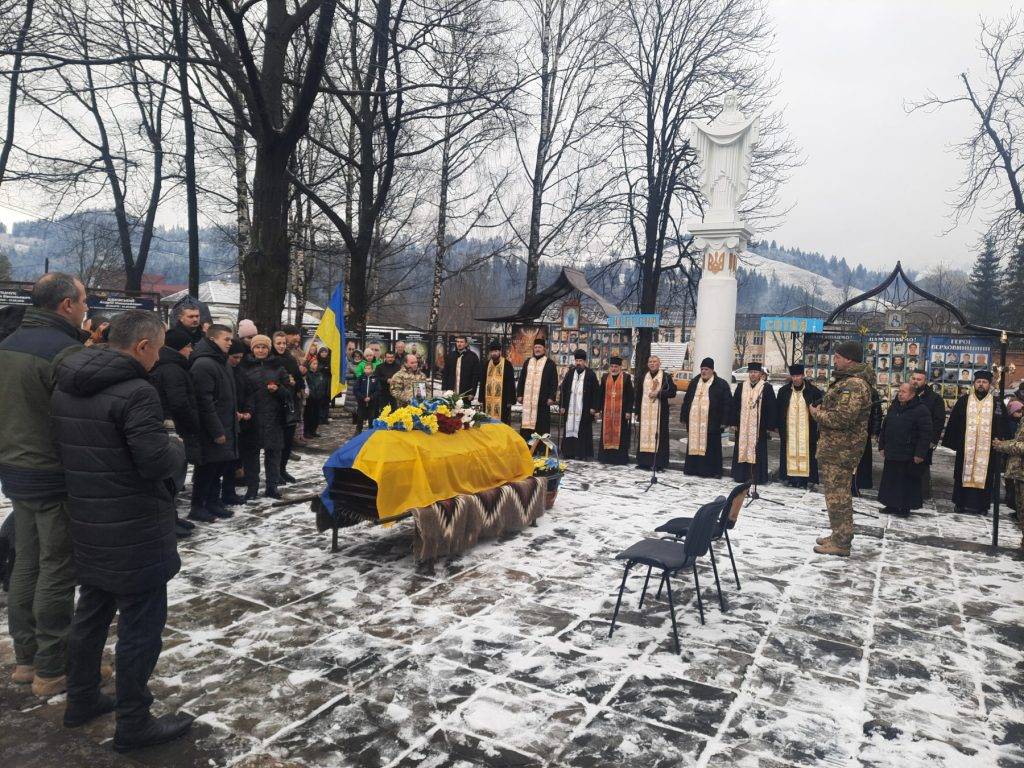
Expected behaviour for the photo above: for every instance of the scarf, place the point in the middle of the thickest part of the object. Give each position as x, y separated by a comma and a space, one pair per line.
798, 437
750, 423
531, 390
611, 436
650, 415
493, 400
697, 426
977, 441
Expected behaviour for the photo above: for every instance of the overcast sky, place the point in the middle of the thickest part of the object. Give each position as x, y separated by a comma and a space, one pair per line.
876, 183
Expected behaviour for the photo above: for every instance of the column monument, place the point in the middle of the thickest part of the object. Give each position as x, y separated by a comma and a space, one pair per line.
723, 147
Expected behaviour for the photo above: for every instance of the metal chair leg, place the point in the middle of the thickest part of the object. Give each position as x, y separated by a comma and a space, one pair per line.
643, 593
718, 586
696, 584
671, 609
660, 585
732, 559
334, 540
618, 602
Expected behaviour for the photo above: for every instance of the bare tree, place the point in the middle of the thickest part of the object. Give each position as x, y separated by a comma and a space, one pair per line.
679, 58
559, 145
994, 163
7, 11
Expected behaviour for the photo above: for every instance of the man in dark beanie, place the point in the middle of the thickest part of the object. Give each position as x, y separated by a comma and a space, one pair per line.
842, 419
177, 393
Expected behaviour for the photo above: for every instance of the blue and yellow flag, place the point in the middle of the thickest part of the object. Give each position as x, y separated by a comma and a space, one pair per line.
331, 332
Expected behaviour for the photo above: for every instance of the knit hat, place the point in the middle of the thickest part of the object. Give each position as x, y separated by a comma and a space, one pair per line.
851, 350
707, 362
987, 375
796, 370
246, 329
755, 367
259, 338
177, 339
580, 354
1014, 407
614, 360
494, 346
237, 347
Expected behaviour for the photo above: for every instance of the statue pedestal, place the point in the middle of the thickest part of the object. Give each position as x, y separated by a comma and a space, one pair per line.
715, 333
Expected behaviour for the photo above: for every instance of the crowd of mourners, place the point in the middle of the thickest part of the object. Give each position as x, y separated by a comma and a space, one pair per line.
102, 420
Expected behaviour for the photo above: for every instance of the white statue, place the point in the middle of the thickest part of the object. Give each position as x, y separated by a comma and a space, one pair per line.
724, 146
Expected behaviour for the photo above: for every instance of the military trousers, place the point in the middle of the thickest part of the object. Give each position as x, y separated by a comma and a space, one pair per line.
42, 598
836, 484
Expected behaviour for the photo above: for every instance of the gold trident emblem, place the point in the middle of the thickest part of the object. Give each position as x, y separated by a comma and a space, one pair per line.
716, 261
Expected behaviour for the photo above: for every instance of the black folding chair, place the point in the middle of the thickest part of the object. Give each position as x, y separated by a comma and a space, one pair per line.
670, 557
730, 513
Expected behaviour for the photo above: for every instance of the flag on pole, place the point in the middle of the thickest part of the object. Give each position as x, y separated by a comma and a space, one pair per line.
331, 332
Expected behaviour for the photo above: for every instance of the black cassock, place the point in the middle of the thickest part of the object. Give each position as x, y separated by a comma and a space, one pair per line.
548, 391
508, 390
976, 500
619, 455
741, 471
645, 460
864, 477
812, 395
719, 406
469, 373
581, 446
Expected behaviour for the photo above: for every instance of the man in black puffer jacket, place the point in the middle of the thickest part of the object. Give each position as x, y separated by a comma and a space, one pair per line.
218, 415
118, 463
178, 399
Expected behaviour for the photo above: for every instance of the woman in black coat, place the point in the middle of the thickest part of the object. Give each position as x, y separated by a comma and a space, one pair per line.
323, 362
268, 383
316, 387
903, 441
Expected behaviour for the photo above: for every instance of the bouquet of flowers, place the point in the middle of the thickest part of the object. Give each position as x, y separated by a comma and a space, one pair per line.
548, 466
444, 414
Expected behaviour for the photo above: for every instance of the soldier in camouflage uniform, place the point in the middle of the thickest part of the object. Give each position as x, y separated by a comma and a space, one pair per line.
843, 431
1015, 470
403, 384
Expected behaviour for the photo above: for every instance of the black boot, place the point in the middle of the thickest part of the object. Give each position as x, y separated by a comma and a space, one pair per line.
201, 515
286, 477
218, 510
273, 493
186, 523
181, 531
77, 715
154, 730
232, 500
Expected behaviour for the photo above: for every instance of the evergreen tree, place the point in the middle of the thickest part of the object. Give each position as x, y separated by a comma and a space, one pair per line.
5, 266
1013, 291
983, 288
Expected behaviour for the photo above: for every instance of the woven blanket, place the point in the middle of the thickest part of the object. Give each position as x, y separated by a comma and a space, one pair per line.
451, 526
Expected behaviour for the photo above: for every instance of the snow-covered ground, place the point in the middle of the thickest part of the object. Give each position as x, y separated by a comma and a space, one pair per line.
906, 654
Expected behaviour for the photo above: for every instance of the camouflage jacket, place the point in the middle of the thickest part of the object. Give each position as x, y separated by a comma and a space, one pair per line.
403, 386
1015, 450
843, 416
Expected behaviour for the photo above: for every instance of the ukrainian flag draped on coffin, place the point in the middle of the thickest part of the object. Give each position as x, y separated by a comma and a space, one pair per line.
331, 332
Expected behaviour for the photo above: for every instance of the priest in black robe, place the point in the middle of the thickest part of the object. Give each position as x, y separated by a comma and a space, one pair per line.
578, 401
461, 373
705, 411
653, 392
798, 432
537, 389
615, 405
753, 415
497, 385
976, 420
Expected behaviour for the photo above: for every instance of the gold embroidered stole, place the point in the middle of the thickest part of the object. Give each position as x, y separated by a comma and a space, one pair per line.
611, 435
531, 390
650, 415
750, 422
798, 437
697, 426
493, 388
977, 440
